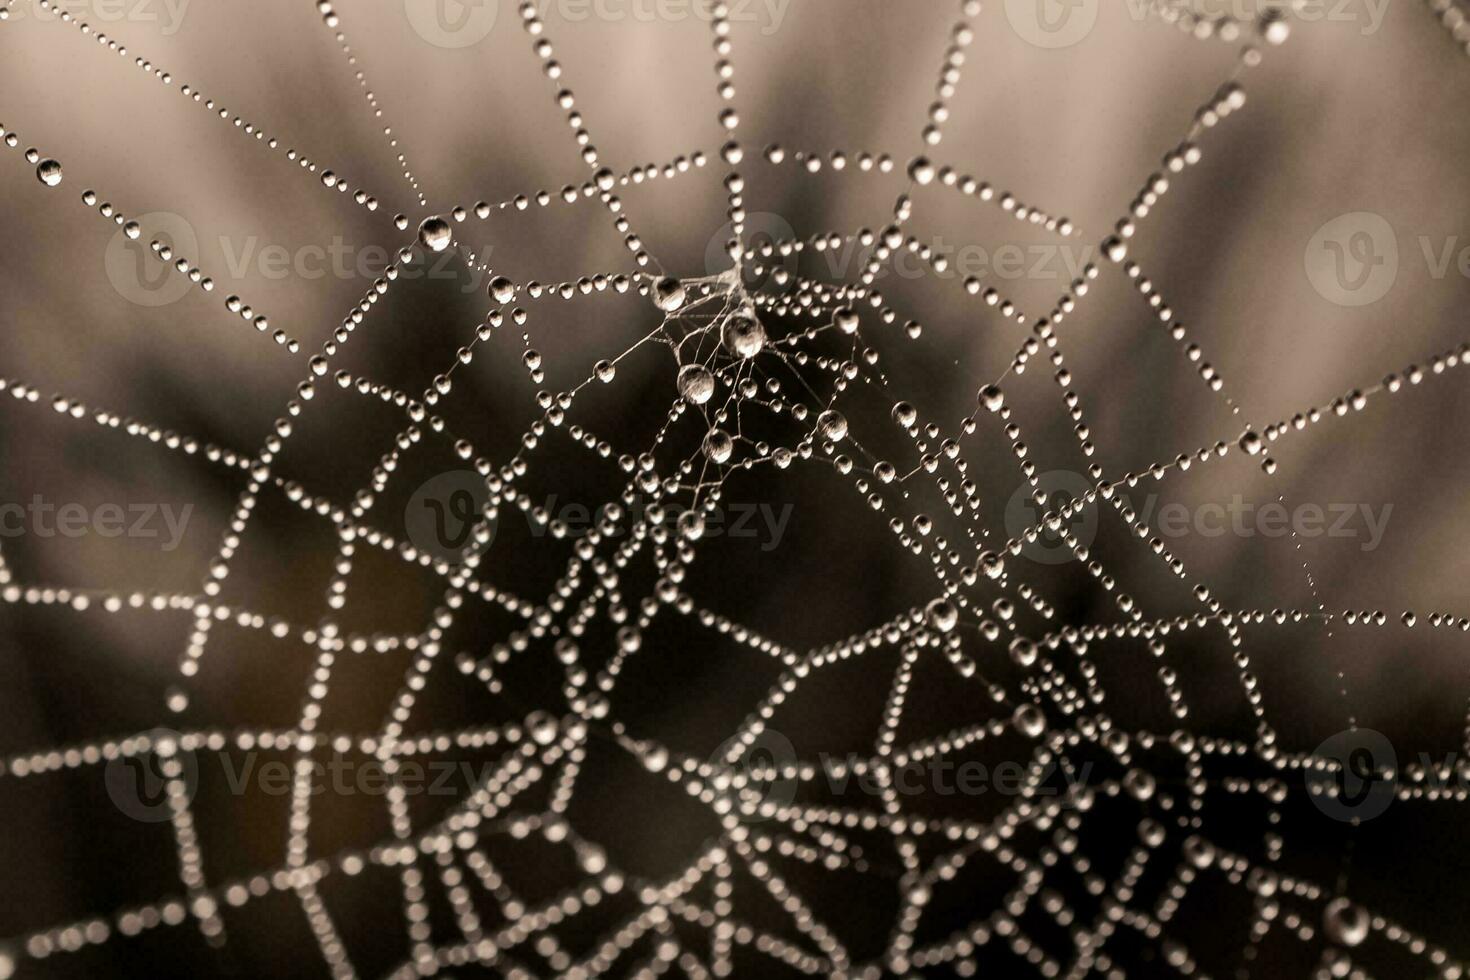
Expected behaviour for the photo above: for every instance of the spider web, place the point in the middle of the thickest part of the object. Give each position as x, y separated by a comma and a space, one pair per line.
769, 363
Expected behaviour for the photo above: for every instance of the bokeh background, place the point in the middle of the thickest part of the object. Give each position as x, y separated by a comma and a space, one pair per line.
1352, 114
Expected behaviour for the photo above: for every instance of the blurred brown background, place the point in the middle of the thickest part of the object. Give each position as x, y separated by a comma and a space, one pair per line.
1351, 115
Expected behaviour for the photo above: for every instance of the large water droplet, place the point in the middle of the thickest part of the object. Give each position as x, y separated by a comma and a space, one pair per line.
718, 445
1029, 720
941, 615
992, 398
696, 384
1345, 923
48, 172
435, 233
832, 426
743, 335
502, 290
668, 294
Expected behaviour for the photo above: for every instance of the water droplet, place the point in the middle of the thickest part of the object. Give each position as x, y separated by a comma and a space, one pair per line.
743, 335
542, 727
696, 384
832, 426
48, 172
1345, 923
435, 233
668, 294
502, 290
942, 615
718, 445
592, 858
1273, 27
1199, 852
691, 525
1140, 784
655, 758
992, 398
1029, 720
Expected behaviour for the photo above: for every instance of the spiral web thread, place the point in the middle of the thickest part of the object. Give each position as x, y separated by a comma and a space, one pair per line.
978, 587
